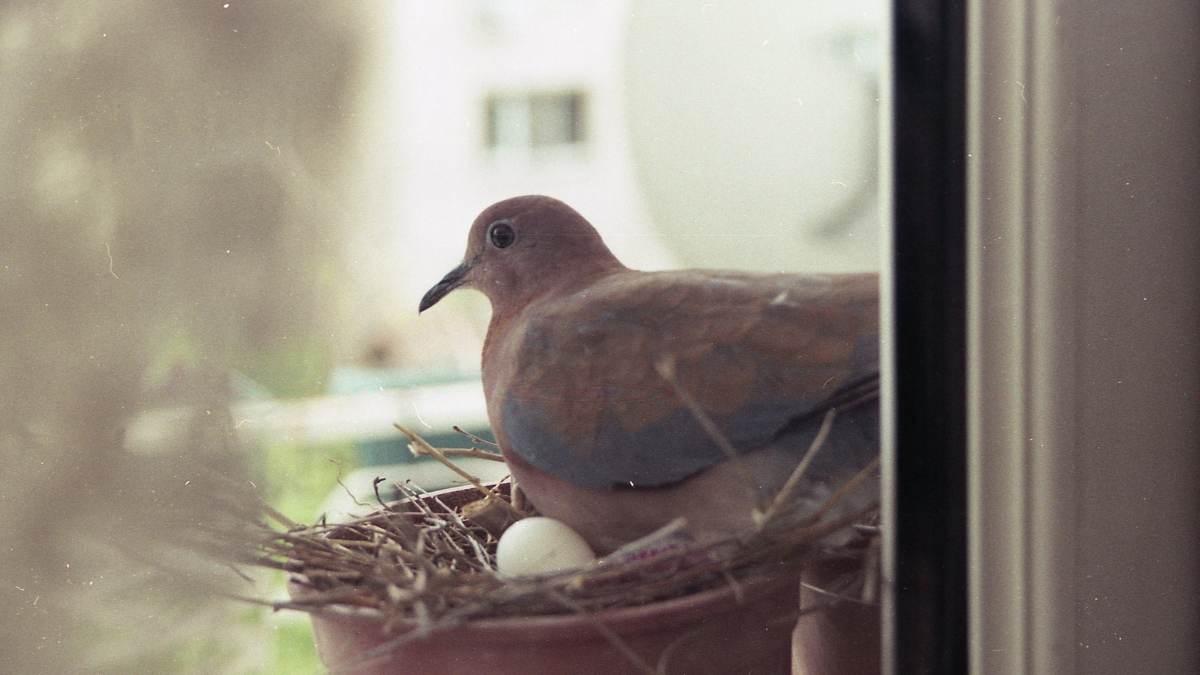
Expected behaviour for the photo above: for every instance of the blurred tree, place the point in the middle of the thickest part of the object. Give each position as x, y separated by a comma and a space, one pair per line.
174, 178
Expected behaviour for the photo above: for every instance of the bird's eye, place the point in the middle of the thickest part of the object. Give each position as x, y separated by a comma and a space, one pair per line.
501, 234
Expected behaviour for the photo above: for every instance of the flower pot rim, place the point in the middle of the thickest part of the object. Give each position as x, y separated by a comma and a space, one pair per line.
652, 616
657, 615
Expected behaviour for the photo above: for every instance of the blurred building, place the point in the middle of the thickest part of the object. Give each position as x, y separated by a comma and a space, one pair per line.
468, 110
716, 134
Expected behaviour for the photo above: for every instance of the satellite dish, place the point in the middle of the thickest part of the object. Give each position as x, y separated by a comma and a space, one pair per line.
754, 130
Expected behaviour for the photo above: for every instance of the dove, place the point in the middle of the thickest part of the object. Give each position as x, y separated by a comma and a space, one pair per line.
623, 400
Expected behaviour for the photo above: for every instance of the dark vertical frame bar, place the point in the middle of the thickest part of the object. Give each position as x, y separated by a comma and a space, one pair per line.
929, 621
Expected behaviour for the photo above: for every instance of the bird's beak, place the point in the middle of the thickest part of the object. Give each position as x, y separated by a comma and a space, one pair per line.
453, 279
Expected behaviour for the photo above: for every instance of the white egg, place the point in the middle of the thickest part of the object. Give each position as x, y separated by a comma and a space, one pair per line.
538, 545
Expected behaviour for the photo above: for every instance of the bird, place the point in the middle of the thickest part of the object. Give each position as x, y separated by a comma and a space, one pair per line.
623, 400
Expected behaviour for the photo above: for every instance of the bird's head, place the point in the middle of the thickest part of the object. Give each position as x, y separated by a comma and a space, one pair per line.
522, 247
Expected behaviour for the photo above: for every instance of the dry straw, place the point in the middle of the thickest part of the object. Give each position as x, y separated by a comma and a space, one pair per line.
418, 564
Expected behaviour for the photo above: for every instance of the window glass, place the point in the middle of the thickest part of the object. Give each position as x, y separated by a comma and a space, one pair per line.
219, 221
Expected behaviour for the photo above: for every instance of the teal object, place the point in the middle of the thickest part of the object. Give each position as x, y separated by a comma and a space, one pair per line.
382, 451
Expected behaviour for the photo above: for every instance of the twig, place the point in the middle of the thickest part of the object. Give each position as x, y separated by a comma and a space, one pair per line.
666, 369
474, 438
846, 488
662, 535
458, 452
837, 596
338, 478
785, 493
437, 454
243, 575
738, 593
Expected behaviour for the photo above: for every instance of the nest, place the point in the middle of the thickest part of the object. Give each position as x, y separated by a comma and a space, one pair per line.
426, 562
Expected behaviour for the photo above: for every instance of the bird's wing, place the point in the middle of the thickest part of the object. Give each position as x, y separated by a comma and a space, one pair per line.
603, 386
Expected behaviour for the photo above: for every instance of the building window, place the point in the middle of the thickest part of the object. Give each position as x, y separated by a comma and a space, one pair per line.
534, 119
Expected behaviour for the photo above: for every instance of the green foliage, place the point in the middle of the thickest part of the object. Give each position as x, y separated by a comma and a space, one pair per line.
293, 366
295, 479
293, 648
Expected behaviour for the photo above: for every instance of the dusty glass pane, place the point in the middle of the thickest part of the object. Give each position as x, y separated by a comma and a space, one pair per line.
219, 221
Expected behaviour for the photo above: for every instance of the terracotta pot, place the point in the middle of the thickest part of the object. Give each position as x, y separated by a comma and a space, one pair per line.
708, 632
843, 638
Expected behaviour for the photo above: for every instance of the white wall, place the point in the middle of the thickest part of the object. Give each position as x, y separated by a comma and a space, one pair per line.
718, 135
